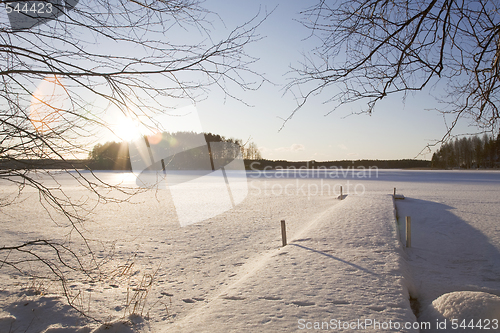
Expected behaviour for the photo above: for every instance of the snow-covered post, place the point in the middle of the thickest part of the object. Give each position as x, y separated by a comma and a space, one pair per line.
408, 231
283, 232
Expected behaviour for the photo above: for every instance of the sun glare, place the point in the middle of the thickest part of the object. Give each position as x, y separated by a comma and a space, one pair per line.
126, 129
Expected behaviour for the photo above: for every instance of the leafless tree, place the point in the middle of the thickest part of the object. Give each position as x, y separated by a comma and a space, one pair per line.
252, 152
60, 76
370, 49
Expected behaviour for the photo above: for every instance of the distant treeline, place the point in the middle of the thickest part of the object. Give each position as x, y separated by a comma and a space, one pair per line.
260, 164
48, 164
116, 156
468, 153
381, 164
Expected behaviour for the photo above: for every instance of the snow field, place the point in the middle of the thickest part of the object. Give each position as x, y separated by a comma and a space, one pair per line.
194, 263
454, 260
345, 267
343, 263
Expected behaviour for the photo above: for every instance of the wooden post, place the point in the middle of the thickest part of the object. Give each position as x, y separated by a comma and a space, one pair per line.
340, 192
394, 195
283, 232
408, 231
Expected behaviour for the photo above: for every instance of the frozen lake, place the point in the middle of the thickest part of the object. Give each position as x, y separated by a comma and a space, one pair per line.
450, 210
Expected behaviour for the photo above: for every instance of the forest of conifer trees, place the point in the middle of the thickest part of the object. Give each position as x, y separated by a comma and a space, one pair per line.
468, 153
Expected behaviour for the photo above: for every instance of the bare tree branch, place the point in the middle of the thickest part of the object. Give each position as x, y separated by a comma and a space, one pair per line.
374, 48
136, 56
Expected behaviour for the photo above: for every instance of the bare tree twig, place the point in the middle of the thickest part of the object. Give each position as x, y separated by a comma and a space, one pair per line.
373, 48
100, 54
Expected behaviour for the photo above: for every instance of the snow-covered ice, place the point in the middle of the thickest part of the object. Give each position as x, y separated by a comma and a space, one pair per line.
344, 260
455, 242
344, 267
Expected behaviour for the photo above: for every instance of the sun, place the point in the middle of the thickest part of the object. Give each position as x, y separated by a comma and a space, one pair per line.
126, 129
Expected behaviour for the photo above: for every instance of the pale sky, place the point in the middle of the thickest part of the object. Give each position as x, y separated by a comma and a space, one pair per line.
395, 130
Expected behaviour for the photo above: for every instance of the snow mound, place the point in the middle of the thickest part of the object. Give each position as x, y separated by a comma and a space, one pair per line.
463, 305
135, 323
6, 320
32, 313
24, 312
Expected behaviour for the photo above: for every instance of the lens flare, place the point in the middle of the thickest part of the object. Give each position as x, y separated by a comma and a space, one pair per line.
155, 138
48, 104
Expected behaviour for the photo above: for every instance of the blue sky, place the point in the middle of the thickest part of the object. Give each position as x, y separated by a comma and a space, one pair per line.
396, 129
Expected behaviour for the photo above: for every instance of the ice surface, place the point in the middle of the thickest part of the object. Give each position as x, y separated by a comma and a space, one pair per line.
344, 260
455, 235
345, 266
